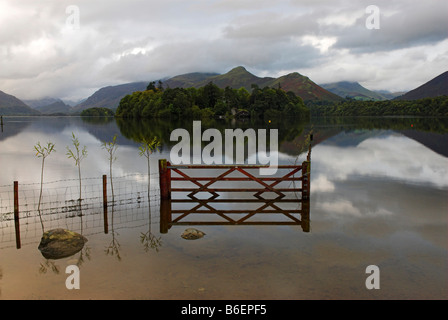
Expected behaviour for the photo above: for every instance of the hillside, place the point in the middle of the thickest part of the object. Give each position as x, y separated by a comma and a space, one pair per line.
388, 95
56, 107
239, 77
352, 90
10, 105
188, 80
36, 103
303, 87
431, 89
109, 97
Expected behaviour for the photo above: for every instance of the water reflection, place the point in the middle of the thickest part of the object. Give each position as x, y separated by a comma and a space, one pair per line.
274, 216
378, 196
148, 239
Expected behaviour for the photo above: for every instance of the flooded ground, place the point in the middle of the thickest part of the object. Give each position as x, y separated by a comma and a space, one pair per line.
378, 197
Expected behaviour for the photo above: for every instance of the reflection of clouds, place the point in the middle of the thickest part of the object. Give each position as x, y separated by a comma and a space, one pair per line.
339, 207
395, 157
321, 184
346, 207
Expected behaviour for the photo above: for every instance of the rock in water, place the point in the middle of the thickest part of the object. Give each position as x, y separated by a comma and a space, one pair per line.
60, 243
192, 234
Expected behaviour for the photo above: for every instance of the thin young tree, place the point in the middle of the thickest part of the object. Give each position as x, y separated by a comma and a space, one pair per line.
77, 154
147, 148
111, 147
43, 152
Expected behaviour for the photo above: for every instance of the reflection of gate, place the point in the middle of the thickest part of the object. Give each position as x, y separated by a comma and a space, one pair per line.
268, 195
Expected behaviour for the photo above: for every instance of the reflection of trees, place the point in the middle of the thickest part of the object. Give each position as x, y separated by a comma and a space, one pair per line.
148, 239
85, 252
97, 120
49, 264
140, 129
114, 246
437, 125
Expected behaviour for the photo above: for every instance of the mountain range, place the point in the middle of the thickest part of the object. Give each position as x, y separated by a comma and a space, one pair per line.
238, 77
354, 90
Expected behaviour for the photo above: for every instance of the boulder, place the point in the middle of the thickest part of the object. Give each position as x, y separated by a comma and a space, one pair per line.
192, 234
60, 243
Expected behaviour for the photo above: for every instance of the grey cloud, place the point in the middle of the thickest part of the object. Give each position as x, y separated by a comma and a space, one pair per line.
125, 41
419, 24
272, 27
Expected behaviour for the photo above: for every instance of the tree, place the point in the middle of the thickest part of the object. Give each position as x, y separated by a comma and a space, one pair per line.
77, 154
43, 152
111, 147
151, 86
147, 148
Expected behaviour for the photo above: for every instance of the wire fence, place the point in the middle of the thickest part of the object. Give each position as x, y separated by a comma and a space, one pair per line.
60, 206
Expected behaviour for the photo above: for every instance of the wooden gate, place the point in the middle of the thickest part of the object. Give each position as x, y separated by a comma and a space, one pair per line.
298, 177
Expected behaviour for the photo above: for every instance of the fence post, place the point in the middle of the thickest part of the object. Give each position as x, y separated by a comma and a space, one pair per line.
164, 180
106, 226
16, 213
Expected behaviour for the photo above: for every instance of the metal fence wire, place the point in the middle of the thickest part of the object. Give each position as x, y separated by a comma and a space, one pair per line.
61, 207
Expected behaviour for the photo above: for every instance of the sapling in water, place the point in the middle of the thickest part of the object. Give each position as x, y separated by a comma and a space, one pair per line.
147, 148
43, 152
111, 147
77, 154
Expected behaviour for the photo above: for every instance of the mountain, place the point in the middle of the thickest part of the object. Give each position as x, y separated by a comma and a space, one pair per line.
236, 78
10, 105
109, 97
303, 87
433, 88
188, 80
239, 77
352, 90
56, 107
36, 103
389, 95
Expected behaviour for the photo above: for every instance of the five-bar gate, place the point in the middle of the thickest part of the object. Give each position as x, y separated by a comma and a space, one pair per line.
204, 192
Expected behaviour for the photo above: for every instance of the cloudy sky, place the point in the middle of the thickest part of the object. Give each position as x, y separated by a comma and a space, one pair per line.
69, 49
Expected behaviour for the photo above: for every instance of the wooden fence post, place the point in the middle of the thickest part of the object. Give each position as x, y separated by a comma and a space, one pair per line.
164, 179
16, 213
106, 226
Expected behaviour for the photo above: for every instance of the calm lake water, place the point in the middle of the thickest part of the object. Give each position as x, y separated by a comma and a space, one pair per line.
379, 192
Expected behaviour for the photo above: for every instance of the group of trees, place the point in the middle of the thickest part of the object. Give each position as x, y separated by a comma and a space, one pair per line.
437, 106
97, 112
210, 101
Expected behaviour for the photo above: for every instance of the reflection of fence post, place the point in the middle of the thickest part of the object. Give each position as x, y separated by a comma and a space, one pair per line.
305, 214
164, 179
106, 228
306, 166
165, 215
309, 148
165, 195
16, 213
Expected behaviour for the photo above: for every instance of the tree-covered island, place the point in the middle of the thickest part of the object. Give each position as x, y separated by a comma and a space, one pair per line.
210, 101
